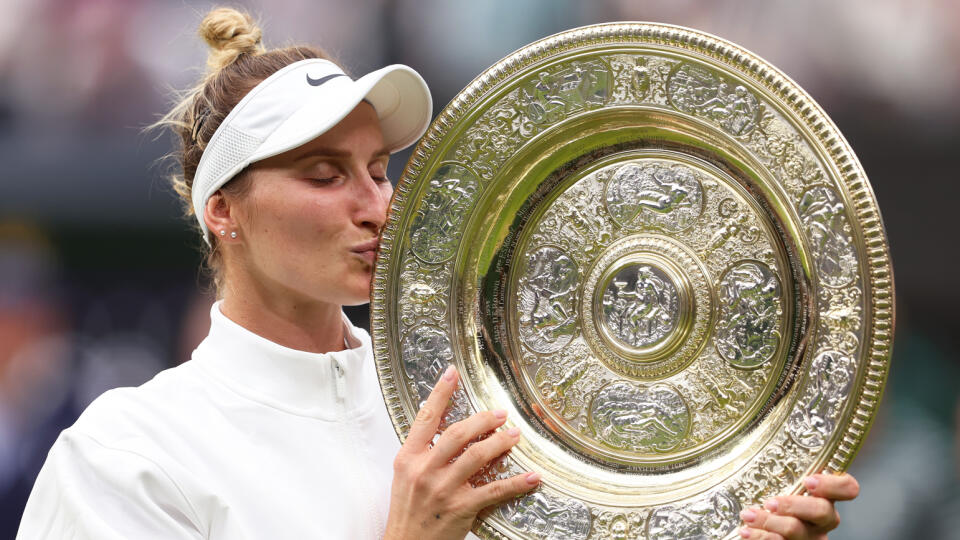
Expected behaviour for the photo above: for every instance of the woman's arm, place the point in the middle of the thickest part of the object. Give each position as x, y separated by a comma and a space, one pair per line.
799, 517
431, 498
90, 491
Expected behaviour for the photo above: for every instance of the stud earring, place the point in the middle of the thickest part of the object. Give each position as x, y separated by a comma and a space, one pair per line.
233, 234
223, 232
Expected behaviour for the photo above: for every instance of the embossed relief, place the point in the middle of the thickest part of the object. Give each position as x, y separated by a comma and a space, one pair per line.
547, 97
719, 394
554, 94
426, 353
433, 234
547, 300
617, 526
640, 419
696, 90
785, 154
747, 330
548, 517
822, 213
813, 419
640, 305
426, 292
567, 382
640, 79
653, 194
737, 224
781, 465
715, 516
841, 315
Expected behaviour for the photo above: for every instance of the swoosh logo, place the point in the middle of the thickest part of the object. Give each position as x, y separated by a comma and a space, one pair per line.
321, 80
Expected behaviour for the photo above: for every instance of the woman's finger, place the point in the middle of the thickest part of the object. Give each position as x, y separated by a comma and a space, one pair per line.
482, 453
502, 490
836, 487
815, 510
457, 435
430, 414
758, 534
788, 527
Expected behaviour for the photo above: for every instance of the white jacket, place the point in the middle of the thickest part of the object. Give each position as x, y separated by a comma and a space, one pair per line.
247, 440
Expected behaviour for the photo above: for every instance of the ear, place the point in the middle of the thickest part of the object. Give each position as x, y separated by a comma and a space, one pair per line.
218, 216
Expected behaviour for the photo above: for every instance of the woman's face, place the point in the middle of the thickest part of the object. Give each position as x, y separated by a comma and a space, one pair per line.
309, 220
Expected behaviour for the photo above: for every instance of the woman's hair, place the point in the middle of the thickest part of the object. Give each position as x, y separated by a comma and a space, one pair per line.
237, 62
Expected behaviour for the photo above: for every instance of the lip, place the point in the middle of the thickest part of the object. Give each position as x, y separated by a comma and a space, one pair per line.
367, 250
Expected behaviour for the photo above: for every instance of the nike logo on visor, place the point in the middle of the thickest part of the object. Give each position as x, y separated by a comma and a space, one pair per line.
321, 80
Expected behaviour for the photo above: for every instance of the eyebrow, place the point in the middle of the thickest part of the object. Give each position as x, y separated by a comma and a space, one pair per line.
337, 153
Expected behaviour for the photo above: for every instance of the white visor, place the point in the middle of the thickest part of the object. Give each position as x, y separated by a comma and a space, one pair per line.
301, 102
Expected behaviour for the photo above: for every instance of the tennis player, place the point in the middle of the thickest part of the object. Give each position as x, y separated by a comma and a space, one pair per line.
276, 427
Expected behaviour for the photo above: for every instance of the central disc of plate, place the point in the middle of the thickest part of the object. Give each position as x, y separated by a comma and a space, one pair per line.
639, 306
640, 342
646, 294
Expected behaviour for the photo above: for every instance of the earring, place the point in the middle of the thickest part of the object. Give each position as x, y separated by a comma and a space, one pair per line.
223, 232
233, 234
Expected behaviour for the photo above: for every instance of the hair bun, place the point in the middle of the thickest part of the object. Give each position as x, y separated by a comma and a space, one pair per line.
229, 33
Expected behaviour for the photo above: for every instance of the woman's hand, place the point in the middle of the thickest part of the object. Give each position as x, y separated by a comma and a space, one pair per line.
431, 498
798, 517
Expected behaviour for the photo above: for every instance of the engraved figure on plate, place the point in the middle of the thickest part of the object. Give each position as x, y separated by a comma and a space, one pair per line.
653, 194
450, 194
548, 517
554, 95
426, 352
813, 420
640, 305
710, 518
696, 90
648, 420
821, 211
547, 303
747, 329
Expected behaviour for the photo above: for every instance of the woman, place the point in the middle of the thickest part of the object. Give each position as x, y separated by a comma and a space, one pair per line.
276, 427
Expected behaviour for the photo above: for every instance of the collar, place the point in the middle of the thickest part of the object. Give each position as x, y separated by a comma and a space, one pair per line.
322, 385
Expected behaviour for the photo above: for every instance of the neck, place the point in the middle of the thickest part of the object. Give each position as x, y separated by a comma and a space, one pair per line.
293, 322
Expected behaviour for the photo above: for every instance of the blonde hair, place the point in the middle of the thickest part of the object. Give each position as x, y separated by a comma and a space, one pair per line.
237, 62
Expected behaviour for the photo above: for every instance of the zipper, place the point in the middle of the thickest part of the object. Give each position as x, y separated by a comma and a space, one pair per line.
341, 381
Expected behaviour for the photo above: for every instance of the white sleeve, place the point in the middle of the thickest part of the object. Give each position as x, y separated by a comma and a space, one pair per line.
90, 491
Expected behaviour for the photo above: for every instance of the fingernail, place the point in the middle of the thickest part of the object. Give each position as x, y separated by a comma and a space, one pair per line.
771, 505
500, 413
811, 482
449, 373
745, 532
748, 515
513, 432
533, 478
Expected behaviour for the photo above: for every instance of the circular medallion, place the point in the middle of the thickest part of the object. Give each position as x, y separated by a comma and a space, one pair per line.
661, 258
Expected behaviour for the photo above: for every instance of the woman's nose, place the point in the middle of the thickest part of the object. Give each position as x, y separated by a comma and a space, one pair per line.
372, 200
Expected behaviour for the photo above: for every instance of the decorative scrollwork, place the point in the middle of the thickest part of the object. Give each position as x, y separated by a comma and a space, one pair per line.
812, 422
426, 353
822, 212
433, 234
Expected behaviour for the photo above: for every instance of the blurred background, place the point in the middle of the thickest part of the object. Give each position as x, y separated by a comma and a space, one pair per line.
99, 275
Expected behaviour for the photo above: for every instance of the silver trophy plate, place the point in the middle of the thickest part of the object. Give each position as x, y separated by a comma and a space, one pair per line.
661, 257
